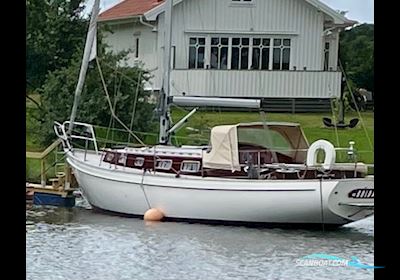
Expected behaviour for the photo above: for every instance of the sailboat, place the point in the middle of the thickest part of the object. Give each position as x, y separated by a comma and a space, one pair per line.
261, 172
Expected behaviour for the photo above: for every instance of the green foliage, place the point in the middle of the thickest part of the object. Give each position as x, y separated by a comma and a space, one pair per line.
122, 83
55, 37
357, 55
54, 32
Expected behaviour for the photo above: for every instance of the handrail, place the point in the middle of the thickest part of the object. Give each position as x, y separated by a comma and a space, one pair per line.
41, 156
45, 153
90, 130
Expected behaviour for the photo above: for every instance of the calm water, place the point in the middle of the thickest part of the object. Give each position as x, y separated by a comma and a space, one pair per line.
80, 244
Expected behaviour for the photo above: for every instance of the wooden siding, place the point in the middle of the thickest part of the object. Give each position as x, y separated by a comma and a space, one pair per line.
247, 83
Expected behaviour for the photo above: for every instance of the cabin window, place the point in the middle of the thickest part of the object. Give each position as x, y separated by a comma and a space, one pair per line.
197, 47
164, 164
109, 157
219, 52
190, 166
326, 56
281, 54
270, 139
139, 161
122, 159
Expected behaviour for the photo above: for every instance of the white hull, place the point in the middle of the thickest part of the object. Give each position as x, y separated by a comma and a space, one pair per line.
127, 191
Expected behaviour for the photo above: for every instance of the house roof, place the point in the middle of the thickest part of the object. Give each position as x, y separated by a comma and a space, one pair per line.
152, 8
129, 8
337, 17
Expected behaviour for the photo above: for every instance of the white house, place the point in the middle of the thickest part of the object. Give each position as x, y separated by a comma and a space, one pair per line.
235, 48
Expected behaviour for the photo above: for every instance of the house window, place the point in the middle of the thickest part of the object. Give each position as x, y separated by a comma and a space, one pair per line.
197, 46
190, 166
219, 52
173, 55
139, 161
281, 54
164, 164
260, 56
326, 56
240, 53
137, 48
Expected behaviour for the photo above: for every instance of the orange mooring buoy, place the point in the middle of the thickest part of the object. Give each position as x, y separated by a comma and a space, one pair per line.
153, 214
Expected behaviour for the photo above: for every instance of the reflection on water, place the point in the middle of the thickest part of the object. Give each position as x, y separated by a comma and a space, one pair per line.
80, 244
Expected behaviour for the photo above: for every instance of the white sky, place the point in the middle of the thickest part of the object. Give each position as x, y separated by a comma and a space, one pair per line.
359, 10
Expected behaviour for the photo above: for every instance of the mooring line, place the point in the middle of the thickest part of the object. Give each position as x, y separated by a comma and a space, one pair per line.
141, 185
322, 208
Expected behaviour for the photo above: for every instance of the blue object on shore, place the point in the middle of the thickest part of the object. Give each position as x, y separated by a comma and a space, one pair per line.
53, 199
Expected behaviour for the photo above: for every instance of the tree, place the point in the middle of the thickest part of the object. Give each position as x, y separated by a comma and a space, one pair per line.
55, 30
122, 83
357, 55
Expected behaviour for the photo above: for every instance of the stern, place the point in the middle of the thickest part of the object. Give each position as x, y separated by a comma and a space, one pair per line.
353, 199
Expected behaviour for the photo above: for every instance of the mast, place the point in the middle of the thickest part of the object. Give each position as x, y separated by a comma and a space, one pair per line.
87, 55
165, 91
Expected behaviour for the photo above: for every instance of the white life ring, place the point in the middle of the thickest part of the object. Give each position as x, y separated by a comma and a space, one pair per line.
330, 154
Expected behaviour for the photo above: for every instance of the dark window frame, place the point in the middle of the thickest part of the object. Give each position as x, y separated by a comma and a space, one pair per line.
197, 46
137, 48
326, 55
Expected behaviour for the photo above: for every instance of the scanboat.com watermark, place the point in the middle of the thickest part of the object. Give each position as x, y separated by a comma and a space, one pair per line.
329, 260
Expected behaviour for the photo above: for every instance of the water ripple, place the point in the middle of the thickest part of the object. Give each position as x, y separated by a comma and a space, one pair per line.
80, 244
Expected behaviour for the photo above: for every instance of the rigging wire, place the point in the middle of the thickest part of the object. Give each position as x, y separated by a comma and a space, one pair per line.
357, 109
134, 104
269, 135
117, 94
111, 107
119, 72
111, 122
334, 121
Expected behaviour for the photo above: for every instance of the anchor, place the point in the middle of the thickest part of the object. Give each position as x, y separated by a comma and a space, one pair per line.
341, 124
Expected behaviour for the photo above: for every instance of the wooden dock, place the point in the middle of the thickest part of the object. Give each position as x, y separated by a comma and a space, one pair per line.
56, 191
50, 195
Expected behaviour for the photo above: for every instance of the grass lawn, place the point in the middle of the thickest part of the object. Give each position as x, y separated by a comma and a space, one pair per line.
311, 124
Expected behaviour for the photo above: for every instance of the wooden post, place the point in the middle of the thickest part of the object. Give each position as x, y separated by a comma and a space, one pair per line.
293, 106
67, 183
43, 172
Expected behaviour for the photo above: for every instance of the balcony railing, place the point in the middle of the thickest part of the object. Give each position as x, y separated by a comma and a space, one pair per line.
252, 83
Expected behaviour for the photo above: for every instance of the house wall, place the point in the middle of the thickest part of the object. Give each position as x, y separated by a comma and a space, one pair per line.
334, 51
294, 19
271, 84
123, 38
